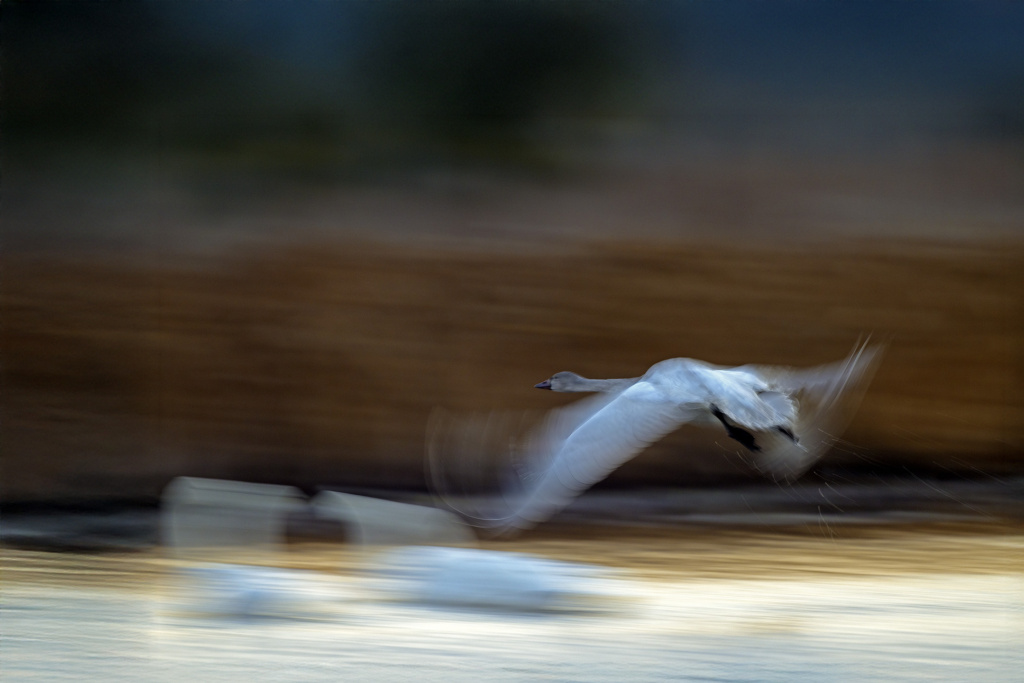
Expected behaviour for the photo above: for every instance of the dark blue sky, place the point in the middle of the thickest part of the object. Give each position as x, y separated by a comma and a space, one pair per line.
867, 43
152, 67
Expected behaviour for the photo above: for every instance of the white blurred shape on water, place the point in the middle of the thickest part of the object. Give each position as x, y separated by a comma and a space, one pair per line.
231, 590
470, 577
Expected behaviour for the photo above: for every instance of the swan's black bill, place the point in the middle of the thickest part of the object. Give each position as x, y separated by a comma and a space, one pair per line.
546, 384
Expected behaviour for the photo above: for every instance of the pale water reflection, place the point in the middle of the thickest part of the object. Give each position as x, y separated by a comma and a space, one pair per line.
953, 612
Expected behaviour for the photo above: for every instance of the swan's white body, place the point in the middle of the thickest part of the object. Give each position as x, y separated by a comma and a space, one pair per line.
796, 412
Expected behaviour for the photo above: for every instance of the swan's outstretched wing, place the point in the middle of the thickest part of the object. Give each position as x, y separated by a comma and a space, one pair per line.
612, 436
472, 457
570, 450
827, 395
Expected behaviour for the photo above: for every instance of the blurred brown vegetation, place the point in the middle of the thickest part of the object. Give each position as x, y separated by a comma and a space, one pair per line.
319, 364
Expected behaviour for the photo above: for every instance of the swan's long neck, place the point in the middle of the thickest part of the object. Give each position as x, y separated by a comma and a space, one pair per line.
584, 384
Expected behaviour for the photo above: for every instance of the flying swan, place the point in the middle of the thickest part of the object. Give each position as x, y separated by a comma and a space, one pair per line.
785, 418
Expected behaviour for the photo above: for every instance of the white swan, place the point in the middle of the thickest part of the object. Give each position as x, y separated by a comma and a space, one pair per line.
795, 414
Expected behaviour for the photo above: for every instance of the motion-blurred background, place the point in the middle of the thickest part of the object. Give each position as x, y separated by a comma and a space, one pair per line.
262, 240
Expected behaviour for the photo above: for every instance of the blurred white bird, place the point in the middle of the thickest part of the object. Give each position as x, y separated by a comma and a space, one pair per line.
232, 590
796, 414
472, 577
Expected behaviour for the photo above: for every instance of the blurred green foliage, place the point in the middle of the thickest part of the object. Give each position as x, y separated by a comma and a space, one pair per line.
460, 79
329, 88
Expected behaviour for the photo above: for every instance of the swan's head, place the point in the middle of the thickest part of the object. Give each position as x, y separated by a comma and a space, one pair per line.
563, 381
